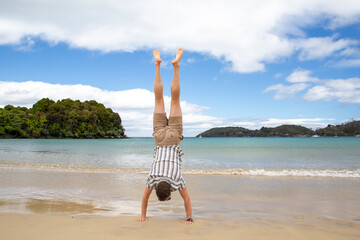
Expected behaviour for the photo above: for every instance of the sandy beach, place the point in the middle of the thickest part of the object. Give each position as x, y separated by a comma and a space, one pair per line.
39, 226
224, 207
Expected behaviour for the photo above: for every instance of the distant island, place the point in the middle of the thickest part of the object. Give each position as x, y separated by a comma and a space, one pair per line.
351, 128
62, 119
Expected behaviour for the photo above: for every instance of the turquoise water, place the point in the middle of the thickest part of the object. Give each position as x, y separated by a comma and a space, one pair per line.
262, 156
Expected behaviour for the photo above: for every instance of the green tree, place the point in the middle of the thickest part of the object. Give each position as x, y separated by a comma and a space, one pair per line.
43, 105
64, 118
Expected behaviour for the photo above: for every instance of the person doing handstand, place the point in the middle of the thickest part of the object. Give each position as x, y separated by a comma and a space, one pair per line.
165, 173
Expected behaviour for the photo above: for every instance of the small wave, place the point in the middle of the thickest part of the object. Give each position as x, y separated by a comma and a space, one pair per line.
66, 168
342, 173
345, 173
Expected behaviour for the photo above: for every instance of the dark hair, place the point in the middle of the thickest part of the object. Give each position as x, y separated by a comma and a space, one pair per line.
163, 190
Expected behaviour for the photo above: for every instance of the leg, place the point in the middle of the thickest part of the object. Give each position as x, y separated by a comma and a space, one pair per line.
158, 86
160, 120
175, 109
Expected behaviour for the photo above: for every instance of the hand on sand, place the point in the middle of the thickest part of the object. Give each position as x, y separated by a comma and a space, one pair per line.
176, 61
142, 219
157, 58
188, 222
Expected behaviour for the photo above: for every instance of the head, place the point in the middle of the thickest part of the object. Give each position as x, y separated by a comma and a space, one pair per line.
163, 191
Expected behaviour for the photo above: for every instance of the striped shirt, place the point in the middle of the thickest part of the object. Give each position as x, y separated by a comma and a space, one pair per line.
166, 167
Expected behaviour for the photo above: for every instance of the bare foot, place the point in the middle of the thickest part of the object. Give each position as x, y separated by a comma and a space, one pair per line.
157, 57
176, 61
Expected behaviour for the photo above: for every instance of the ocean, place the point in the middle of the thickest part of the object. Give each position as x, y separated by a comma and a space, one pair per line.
321, 157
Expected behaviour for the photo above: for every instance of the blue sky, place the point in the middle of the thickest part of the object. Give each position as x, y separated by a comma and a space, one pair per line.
292, 62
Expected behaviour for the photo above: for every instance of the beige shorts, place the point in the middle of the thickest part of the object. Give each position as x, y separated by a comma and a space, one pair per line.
167, 131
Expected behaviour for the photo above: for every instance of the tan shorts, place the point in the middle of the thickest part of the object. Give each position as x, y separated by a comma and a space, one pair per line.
167, 131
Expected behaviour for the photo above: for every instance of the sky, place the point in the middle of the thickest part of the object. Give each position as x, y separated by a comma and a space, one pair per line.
245, 63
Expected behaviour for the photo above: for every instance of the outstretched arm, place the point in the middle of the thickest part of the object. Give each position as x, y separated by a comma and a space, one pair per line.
187, 203
144, 204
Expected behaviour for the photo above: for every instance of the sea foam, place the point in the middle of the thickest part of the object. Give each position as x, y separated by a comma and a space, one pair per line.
341, 173
354, 173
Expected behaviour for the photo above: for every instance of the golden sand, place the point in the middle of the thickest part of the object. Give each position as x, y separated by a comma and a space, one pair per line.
44, 226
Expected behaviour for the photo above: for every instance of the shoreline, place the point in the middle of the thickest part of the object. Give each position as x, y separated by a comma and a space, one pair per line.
196, 137
87, 205
331, 173
52, 137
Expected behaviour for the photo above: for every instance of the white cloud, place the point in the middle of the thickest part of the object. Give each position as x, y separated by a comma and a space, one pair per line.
191, 60
248, 34
350, 52
348, 63
320, 47
278, 75
275, 122
300, 76
135, 106
342, 90
26, 44
246, 124
309, 122
282, 91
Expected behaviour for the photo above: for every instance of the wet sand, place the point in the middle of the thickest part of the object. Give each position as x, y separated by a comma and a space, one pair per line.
38, 204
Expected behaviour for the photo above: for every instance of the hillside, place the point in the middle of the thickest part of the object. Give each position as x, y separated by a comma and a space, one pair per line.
351, 128
62, 119
347, 129
281, 131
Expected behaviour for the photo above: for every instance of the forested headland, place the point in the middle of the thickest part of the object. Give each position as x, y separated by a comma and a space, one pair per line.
351, 128
62, 119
